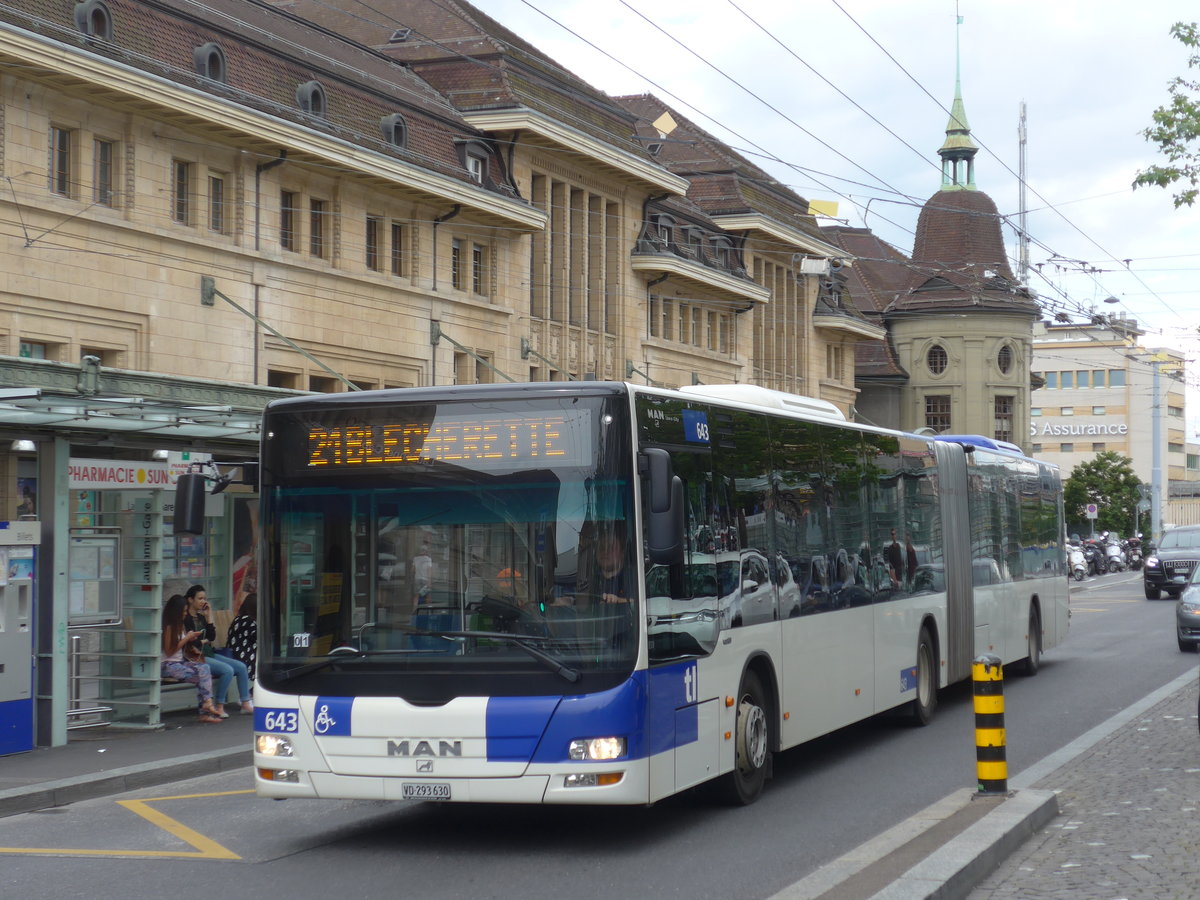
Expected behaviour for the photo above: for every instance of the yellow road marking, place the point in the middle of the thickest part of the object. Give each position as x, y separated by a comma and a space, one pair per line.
205, 848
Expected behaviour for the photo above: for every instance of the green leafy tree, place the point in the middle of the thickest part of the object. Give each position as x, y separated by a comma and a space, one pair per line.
1109, 482
1177, 126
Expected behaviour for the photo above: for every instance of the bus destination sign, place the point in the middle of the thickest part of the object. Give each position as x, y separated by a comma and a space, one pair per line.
551, 439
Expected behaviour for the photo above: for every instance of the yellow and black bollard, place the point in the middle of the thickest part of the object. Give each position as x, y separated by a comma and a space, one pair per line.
991, 766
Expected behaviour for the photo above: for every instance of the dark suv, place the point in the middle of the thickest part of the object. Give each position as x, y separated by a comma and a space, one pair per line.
1174, 556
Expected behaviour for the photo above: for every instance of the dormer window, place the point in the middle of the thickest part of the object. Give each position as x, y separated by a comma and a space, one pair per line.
93, 19
474, 157
395, 130
661, 231
210, 62
310, 97
693, 241
723, 252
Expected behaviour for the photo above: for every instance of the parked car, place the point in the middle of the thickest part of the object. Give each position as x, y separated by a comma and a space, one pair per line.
1187, 614
1175, 556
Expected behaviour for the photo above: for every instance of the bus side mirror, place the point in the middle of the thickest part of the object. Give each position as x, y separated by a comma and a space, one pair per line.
189, 504
664, 513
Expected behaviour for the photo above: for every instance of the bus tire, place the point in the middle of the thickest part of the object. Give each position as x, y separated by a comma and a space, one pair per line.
1032, 662
922, 708
752, 745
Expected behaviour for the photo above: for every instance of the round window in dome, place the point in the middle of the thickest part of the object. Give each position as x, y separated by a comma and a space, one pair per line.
937, 359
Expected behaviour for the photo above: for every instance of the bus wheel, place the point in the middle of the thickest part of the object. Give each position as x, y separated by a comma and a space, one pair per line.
1033, 661
926, 701
743, 785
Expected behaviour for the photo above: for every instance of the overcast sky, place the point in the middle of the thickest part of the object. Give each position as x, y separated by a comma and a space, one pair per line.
787, 79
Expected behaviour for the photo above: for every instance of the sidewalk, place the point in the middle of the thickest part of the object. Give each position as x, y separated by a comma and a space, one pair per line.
100, 761
1111, 815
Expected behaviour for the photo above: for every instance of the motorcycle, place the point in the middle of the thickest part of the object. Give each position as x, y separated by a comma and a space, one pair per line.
1091, 553
1077, 562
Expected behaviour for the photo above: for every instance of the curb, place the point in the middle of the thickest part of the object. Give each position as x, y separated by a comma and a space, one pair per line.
46, 794
952, 872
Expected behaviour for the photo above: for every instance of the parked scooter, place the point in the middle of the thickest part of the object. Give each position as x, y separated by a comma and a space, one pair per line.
1094, 556
1115, 556
1076, 562
1134, 551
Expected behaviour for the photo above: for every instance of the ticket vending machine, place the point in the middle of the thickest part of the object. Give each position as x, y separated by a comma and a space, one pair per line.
18, 548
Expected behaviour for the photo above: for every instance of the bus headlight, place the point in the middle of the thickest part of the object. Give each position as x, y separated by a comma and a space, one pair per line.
597, 748
273, 745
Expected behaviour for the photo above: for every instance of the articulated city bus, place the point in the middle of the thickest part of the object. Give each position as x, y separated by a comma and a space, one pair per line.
604, 593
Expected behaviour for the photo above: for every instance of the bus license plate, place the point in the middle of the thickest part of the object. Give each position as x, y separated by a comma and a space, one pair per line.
433, 790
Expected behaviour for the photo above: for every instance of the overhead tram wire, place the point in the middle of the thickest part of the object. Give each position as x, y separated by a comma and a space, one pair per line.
766, 153
995, 156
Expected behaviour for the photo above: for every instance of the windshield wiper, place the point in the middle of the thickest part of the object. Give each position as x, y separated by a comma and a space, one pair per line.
520, 640
336, 655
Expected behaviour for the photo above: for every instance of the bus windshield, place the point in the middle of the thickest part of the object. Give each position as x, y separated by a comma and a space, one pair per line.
434, 549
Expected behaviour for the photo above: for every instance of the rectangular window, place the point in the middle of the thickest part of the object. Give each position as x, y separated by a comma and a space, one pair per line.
1173, 447
833, 362
374, 230
1003, 418
1097, 446
1068, 380
1098, 410
1098, 378
1035, 449
479, 269
937, 412
1193, 461
475, 168
1051, 380
1035, 411
103, 155
1081, 379
288, 238
32, 350
181, 191
1066, 448
216, 203
317, 213
60, 160
456, 269
1176, 411
398, 257
1116, 378
1067, 411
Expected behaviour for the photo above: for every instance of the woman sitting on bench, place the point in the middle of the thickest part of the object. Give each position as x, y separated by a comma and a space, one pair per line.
183, 661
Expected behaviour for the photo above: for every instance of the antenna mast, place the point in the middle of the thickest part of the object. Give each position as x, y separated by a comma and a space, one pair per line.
1023, 237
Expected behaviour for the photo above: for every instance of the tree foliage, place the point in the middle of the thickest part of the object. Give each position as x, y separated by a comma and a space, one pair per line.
1109, 482
1176, 128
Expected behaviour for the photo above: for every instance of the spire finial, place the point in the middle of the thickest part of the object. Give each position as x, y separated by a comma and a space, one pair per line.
958, 152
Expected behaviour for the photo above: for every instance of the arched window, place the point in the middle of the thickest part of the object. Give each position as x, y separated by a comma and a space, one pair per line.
310, 97
210, 62
395, 130
937, 359
1004, 359
93, 19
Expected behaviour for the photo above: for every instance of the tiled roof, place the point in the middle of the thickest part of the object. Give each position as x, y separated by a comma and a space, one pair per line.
268, 55
476, 63
723, 182
959, 259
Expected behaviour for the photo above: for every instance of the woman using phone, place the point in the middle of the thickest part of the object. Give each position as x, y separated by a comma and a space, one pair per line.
179, 657
225, 669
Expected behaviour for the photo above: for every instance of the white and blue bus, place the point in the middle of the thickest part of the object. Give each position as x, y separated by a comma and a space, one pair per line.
604, 593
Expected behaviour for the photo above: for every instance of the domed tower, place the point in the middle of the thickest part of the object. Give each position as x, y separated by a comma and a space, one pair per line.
963, 326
